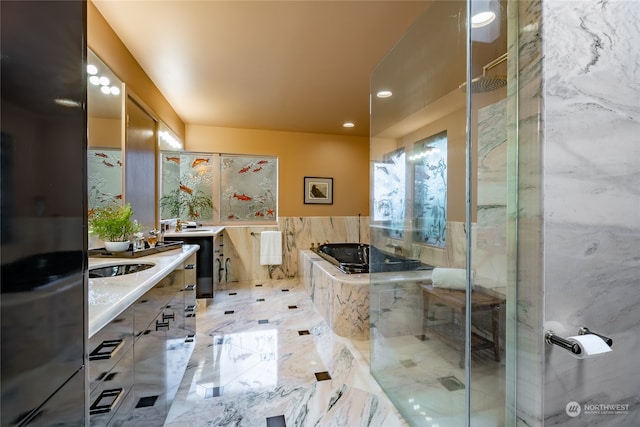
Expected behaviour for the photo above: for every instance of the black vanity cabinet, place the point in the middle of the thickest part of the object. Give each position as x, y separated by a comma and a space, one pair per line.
163, 343
212, 267
111, 370
138, 360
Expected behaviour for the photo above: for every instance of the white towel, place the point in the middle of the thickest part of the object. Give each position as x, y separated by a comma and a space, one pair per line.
271, 248
451, 278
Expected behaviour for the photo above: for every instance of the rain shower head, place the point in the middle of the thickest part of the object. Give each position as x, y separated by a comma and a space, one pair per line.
486, 83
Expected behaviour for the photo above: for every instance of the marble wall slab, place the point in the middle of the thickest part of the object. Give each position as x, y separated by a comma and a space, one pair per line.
489, 256
242, 243
592, 203
579, 208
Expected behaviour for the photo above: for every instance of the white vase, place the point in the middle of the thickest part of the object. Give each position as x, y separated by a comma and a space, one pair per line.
116, 246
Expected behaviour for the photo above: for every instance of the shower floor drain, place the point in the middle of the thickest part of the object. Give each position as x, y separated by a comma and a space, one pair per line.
451, 383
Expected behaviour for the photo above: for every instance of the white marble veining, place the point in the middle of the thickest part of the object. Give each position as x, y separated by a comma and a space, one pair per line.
243, 248
489, 254
108, 297
343, 299
579, 206
592, 202
253, 364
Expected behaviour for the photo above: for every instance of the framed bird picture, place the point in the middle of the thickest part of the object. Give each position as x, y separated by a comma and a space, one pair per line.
318, 190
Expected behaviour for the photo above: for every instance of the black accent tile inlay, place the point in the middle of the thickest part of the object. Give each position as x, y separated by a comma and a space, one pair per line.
111, 376
146, 401
305, 332
229, 312
322, 376
293, 307
451, 383
408, 363
259, 286
277, 421
213, 392
233, 293
260, 299
101, 376
263, 321
285, 290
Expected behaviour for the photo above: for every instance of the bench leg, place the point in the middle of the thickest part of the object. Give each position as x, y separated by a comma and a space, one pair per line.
495, 326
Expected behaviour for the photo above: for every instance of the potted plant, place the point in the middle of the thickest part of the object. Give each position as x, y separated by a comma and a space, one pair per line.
114, 225
195, 204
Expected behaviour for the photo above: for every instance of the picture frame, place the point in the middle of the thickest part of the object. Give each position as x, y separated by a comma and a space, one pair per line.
318, 190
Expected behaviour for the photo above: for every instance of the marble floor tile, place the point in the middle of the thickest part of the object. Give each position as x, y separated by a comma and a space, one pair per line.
243, 372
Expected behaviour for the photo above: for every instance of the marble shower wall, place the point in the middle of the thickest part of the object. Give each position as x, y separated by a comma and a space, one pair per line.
242, 243
489, 256
580, 254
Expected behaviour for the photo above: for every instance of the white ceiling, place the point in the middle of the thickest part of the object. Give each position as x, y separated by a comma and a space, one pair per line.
287, 65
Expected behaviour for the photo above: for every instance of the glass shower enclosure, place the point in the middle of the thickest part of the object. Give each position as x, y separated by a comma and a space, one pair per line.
441, 176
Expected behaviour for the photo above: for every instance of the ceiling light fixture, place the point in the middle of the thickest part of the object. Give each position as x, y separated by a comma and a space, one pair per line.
348, 125
384, 94
94, 80
92, 69
482, 19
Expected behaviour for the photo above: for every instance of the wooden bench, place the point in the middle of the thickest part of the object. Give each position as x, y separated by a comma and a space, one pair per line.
452, 333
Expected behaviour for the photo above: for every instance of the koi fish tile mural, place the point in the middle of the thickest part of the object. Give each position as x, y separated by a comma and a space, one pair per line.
104, 182
430, 189
187, 186
248, 188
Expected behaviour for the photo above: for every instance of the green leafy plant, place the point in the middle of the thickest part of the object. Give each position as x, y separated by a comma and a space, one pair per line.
113, 223
194, 204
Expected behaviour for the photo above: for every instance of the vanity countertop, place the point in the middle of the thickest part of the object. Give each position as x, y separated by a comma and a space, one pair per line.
108, 297
207, 230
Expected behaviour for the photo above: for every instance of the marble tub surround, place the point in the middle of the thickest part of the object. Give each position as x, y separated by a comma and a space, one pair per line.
343, 299
108, 297
272, 356
243, 247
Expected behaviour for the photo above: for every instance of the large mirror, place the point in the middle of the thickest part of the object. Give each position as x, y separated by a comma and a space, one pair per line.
104, 117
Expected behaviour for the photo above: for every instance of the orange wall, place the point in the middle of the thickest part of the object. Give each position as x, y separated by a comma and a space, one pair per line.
104, 42
343, 158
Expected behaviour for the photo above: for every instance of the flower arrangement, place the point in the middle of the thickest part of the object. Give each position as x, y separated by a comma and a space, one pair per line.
113, 223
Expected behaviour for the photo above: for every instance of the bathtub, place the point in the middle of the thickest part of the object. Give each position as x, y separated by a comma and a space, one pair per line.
342, 299
361, 258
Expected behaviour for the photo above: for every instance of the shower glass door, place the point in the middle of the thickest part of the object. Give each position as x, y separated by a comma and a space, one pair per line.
440, 168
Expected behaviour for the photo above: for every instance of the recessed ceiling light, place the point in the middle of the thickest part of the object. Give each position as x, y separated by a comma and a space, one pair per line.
114, 90
348, 125
104, 81
384, 94
92, 69
482, 19
105, 89
94, 80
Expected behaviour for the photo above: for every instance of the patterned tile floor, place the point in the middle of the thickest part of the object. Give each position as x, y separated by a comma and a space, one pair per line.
265, 357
